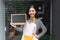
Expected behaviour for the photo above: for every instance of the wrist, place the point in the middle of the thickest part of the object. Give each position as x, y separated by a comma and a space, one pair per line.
36, 36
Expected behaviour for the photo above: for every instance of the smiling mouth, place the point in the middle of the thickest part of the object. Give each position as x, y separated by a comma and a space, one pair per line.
31, 14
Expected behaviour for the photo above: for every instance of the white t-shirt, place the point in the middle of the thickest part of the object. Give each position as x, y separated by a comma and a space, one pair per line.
29, 29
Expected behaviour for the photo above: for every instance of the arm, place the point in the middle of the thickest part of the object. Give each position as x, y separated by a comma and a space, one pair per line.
16, 27
20, 29
42, 26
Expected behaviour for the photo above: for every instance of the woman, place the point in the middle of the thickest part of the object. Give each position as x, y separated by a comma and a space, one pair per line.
32, 25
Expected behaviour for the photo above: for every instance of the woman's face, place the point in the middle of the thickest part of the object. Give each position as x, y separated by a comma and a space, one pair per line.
32, 12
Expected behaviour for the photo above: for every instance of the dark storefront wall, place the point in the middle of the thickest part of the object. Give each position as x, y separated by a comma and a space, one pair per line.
15, 6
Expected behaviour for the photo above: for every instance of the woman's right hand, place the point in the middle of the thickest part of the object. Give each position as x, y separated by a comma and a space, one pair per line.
11, 23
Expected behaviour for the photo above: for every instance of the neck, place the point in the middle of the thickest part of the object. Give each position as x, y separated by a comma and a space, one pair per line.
32, 18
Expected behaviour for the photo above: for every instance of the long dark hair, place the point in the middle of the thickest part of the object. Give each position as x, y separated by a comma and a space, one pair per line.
28, 16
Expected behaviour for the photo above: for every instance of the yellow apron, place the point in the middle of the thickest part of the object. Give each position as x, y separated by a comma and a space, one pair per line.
28, 37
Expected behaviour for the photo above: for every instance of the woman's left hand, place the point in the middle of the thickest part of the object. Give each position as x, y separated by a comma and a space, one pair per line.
35, 35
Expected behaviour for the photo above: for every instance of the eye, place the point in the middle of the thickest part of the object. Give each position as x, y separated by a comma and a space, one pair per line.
29, 10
